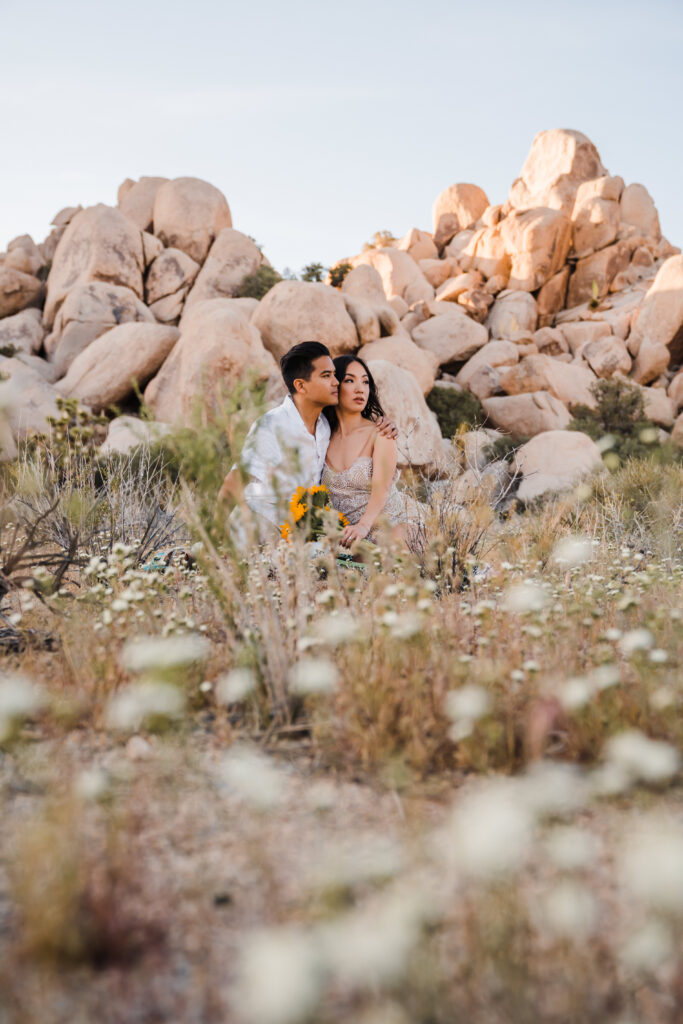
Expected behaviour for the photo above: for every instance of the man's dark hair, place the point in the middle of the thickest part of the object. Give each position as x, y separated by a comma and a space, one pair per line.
297, 364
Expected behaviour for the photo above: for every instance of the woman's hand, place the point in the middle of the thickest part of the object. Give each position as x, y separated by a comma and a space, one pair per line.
352, 533
387, 428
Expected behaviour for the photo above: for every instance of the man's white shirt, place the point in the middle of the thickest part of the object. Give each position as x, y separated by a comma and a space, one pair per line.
280, 455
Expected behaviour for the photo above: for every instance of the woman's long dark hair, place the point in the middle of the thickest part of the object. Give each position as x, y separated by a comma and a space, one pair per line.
373, 410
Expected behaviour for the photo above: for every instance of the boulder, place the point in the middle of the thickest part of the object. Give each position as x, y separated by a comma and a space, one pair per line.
558, 162
364, 317
27, 398
402, 351
65, 216
485, 251
596, 272
89, 310
41, 366
151, 247
454, 288
458, 244
398, 305
675, 391
639, 212
189, 214
456, 209
232, 257
493, 354
399, 273
581, 332
23, 254
168, 281
537, 241
550, 341
605, 187
660, 318
436, 271
595, 224
677, 431
528, 414
555, 461
568, 382
117, 362
99, 244
127, 432
295, 311
48, 247
658, 406
452, 337
23, 332
512, 312
419, 245
551, 297
217, 348
477, 303
607, 356
475, 445
137, 201
484, 382
17, 290
651, 361
419, 438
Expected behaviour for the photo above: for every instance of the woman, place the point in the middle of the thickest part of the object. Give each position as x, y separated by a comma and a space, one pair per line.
360, 466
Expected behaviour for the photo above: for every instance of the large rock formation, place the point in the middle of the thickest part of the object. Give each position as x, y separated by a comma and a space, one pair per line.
189, 214
295, 311
419, 438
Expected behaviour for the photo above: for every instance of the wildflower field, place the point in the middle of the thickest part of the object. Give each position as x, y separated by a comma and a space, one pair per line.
281, 790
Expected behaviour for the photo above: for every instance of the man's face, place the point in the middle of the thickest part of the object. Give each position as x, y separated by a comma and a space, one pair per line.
322, 387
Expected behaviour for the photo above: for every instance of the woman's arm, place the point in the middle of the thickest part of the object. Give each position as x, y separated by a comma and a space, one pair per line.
384, 459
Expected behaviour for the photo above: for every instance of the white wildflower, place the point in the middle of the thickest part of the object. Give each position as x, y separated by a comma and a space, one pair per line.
647, 948
464, 706
524, 597
569, 911
572, 551
234, 686
252, 777
406, 625
659, 656
571, 848
635, 640
641, 758
554, 789
279, 976
651, 865
605, 676
313, 675
119, 605
154, 653
575, 693
490, 830
130, 708
336, 628
91, 784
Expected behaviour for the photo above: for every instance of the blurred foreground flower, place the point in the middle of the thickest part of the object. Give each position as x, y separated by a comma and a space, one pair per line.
524, 597
641, 759
159, 653
235, 685
279, 977
490, 830
572, 551
651, 865
20, 698
313, 675
146, 703
635, 640
569, 911
252, 777
464, 707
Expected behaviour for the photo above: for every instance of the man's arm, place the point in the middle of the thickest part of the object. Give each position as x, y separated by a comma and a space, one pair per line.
387, 428
232, 489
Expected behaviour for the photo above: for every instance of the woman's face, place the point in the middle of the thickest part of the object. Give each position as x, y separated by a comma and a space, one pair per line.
354, 389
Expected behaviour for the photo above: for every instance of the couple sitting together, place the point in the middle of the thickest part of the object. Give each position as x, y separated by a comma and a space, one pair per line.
330, 430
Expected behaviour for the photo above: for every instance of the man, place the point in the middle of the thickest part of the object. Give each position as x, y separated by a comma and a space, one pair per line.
286, 447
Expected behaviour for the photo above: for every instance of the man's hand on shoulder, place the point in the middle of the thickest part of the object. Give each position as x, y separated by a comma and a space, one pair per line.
387, 428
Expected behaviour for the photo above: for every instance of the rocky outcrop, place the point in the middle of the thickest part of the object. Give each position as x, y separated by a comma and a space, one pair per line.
188, 214
169, 279
527, 414
401, 351
295, 311
419, 438
118, 362
232, 257
217, 347
99, 244
555, 461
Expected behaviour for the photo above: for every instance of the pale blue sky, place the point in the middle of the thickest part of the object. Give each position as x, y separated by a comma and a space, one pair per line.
324, 122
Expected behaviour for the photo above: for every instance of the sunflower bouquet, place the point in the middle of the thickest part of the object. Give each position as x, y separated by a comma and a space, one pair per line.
310, 510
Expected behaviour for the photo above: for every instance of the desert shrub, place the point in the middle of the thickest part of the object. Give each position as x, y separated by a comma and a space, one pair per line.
504, 448
620, 416
380, 240
455, 408
313, 272
338, 273
255, 286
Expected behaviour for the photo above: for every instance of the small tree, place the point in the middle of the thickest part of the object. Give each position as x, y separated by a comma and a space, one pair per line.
255, 286
338, 273
313, 272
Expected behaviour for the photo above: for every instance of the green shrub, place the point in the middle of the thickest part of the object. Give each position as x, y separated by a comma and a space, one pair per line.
455, 408
338, 273
380, 240
620, 416
255, 286
503, 448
